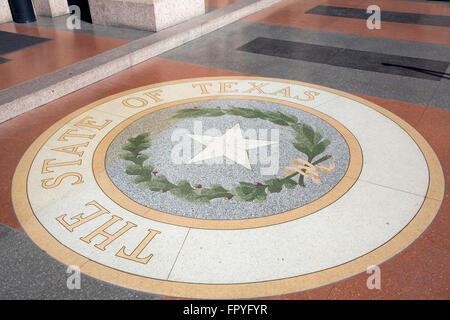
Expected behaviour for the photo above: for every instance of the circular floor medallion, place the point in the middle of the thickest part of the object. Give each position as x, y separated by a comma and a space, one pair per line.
283, 198
230, 187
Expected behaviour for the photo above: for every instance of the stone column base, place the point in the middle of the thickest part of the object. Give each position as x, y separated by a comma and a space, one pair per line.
150, 15
50, 8
5, 11
171, 12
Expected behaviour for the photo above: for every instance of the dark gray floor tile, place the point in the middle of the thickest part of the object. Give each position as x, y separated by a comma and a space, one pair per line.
343, 12
349, 58
349, 41
244, 31
218, 50
291, 50
11, 42
391, 64
27, 272
388, 16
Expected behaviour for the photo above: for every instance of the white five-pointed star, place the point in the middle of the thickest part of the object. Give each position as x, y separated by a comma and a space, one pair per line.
231, 145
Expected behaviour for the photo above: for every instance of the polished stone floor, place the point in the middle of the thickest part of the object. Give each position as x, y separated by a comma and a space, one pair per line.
403, 67
51, 45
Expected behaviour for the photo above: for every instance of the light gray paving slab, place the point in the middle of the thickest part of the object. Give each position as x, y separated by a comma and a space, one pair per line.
60, 24
39, 91
251, 30
27, 272
441, 96
218, 50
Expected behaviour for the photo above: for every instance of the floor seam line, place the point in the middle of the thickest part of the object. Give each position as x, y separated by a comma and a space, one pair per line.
388, 187
340, 51
433, 93
178, 254
109, 113
86, 262
325, 102
421, 116
329, 293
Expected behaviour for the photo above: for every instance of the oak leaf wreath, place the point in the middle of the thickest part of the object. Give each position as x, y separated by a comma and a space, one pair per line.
306, 140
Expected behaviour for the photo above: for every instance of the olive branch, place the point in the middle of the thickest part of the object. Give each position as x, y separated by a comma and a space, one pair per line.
306, 140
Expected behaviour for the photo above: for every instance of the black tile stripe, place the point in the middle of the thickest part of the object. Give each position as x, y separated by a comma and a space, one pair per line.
3, 60
349, 58
10, 42
387, 16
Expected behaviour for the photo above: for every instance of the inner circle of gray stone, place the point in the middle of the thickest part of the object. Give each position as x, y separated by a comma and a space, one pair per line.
161, 126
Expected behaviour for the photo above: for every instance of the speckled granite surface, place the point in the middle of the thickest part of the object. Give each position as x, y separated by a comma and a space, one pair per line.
5, 12
172, 12
161, 129
50, 8
152, 15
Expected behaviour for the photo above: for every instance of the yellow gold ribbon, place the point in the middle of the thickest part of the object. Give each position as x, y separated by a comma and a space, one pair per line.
306, 169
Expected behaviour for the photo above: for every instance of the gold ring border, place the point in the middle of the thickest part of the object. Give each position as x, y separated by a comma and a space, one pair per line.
429, 209
116, 195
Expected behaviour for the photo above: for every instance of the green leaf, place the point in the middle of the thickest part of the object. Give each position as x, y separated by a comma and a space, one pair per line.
141, 138
289, 118
318, 135
159, 183
145, 174
183, 190
139, 160
135, 148
140, 179
216, 191
137, 144
290, 184
133, 169
198, 112
320, 147
202, 196
276, 185
301, 141
245, 191
309, 133
279, 122
244, 112
275, 117
320, 160
130, 157
260, 195
302, 148
143, 185
309, 141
